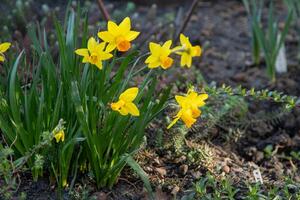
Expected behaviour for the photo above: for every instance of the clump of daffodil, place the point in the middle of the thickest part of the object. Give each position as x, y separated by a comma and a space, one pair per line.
118, 36
160, 55
3, 48
59, 136
189, 107
94, 53
125, 103
187, 51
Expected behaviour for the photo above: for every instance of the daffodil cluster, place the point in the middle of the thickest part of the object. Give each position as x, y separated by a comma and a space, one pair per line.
160, 54
120, 37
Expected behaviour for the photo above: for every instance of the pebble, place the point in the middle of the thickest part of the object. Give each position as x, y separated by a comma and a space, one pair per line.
226, 169
196, 174
175, 190
162, 171
184, 169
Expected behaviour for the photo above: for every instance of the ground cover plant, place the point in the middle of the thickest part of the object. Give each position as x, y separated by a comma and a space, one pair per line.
104, 108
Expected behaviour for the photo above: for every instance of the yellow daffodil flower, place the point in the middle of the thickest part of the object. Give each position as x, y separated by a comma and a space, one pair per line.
187, 51
160, 55
125, 104
189, 107
59, 136
118, 36
94, 53
65, 183
3, 48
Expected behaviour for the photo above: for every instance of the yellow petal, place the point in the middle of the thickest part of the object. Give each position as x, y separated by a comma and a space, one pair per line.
175, 120
4, 46
155, 49
113, 28
183, 60
110, 47
202, 97
99, 65
167, 44
184, 40
125, 26
101, 46
150, 59
131, 35
82, 52
106, 36
92, 44
86, 59
181, 100
189, 61
123, 111
105, 55
154, 64
132, 109
130, 94
2, 58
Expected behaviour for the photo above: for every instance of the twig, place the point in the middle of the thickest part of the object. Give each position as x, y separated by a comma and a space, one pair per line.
187, 19
103, 10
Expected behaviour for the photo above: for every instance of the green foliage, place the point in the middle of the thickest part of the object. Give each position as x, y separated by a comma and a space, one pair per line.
61, 87
269, 39
210, 188
254, 10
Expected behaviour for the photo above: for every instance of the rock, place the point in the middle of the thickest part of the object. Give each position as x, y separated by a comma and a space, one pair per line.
184, 169
240, 77
181, 159
290, 122
259, 156
226, 169
196, 174
162, 171
175, 190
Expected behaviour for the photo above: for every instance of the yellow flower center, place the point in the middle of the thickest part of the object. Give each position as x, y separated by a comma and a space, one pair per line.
122, 44
118, 105
187, 117
197, 50
166, 62
94, 58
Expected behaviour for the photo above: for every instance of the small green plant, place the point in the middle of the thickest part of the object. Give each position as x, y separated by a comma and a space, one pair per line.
269, 39
254, 10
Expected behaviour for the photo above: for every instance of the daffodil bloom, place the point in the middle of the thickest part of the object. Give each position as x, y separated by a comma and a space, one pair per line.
187, 51
94, 53
189, 107
59, 136
3, 48
160, 55
125, 103
65, 183
118, 36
